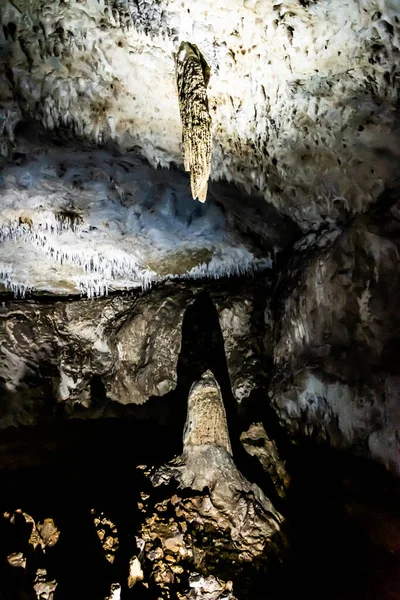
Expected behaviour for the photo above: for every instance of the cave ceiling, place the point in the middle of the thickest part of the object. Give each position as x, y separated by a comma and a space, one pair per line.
303, 99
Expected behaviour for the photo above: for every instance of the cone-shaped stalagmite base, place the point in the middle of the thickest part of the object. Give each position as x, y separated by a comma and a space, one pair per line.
193, 75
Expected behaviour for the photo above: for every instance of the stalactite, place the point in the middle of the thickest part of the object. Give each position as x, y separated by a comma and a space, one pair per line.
193, 75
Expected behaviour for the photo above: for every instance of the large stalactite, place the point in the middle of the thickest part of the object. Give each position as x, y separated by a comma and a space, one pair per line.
193, 75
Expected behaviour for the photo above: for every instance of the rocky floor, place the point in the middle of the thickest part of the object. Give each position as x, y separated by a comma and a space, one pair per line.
90, 478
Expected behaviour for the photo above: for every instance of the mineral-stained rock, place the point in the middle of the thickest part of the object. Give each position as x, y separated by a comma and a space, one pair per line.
192, 78
48, 532
135, 571
107, 533
206, 418
207, 588
43, 535
17, 559
44, 589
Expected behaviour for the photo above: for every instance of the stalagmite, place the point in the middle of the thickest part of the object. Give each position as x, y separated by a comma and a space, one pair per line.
193, 75
227, 501
206, 418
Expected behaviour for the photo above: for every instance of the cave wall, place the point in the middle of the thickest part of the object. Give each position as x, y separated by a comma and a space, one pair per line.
82, 354
337, 335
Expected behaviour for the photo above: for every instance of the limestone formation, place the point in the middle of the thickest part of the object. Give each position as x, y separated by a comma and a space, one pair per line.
298, 89
193, 75
278, 297
227, 503
76, 224
336, 374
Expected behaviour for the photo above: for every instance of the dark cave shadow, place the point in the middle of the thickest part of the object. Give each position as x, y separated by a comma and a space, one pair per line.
202, 348
81, 465
330, 506
332, 496
63, 467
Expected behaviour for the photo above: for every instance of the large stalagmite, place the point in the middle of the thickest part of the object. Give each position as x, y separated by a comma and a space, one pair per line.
206, 418
228, 503
193, 75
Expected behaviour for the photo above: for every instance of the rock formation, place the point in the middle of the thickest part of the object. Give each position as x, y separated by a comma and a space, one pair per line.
335, 373
206, 419
228, 504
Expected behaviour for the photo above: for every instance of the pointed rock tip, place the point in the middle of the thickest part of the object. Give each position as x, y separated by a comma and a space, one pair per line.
209, 376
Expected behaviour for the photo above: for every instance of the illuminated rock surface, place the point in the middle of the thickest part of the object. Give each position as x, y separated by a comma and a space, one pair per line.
229, 505
302, 95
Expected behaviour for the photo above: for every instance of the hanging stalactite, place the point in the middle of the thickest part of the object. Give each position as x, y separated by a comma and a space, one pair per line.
193, 74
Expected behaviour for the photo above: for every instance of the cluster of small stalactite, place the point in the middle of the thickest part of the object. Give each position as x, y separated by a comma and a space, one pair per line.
144, 15
192, 77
